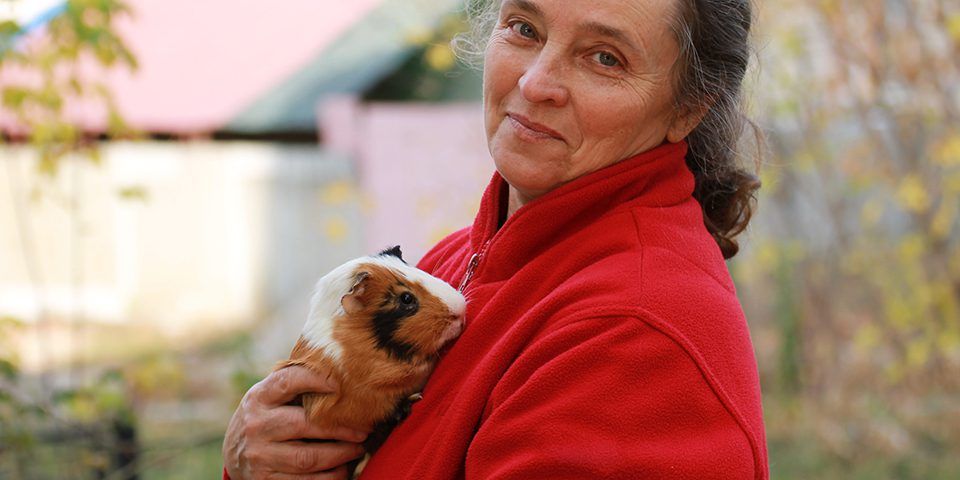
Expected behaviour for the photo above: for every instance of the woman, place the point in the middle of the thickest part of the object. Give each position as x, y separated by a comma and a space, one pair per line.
604, 337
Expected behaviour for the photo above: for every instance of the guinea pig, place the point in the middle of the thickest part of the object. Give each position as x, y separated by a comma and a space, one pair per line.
377, 326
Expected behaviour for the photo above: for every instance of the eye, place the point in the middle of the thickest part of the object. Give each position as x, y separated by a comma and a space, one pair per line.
607, 59
523, 29
407, 299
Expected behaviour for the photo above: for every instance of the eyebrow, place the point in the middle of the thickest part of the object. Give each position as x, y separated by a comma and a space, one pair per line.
616, 34
595, 28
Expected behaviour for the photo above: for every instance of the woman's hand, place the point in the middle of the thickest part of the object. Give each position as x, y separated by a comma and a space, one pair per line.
267, 438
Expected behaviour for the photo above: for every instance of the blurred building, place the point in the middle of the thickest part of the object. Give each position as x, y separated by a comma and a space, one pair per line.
278, 143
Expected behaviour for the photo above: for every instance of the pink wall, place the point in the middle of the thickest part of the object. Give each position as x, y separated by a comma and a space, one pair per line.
422, 168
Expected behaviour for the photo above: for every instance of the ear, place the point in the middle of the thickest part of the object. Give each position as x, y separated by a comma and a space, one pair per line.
685, 120
353, 301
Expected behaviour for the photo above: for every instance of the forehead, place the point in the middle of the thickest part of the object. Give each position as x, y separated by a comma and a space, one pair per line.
643, 28
636, 16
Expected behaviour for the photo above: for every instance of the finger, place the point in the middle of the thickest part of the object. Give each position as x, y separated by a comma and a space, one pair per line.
290, 423
283, 386
302, 457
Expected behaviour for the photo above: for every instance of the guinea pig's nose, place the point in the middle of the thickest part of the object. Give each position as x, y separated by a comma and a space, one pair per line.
452, 331
459, 310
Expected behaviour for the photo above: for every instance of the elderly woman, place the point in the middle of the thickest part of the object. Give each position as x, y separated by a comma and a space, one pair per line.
604, 338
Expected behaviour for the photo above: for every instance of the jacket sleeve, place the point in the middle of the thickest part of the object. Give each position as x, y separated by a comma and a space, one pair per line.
608, 398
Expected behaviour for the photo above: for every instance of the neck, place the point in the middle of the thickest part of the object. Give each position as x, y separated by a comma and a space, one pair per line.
515, 200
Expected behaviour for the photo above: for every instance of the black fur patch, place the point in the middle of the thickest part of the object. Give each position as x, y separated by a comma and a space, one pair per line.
393, 252
386, 322
383, 428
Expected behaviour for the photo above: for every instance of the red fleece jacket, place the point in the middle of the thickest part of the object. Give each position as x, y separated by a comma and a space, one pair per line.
604, 339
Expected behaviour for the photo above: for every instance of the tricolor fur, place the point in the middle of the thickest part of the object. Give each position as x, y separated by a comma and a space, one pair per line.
376, 325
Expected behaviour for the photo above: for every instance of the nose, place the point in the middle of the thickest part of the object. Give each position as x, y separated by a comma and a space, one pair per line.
543, 80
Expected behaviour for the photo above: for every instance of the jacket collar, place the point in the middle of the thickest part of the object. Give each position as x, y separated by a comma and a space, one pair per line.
657, 177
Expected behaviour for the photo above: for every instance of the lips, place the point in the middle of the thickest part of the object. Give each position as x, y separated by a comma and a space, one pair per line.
531, 128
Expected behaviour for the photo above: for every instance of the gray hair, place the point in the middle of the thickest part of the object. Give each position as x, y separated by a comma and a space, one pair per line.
714, 39
470, 45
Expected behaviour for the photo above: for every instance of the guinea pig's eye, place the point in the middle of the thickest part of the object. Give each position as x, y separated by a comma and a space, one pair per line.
407, 298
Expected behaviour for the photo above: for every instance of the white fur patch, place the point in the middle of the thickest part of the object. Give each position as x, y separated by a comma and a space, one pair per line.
325, 306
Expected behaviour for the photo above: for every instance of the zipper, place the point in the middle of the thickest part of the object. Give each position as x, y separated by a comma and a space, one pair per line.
472, 267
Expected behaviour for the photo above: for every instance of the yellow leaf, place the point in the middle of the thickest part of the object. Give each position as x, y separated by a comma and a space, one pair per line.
136, 193
951, 183
867, 338
942, 223
954, 263
770, 180
894, 373
768, 257
949, 152
337, 193
912, 194
900, 313
953, 26
336, 229
95, 156
918, 353
793, 42
8, 321
947, 303
948, 341
440, 58
49, 164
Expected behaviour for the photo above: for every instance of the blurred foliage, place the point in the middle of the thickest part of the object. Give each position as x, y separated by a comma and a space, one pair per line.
854, 256
94, 422
53, 76
431, 72
85, 430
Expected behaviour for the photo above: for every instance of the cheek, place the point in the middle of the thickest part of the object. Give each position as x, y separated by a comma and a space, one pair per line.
626, 125
501, 71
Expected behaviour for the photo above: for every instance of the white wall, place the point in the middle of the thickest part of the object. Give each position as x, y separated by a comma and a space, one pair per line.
229, 231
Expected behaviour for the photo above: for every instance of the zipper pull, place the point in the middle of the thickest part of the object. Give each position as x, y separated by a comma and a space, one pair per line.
471, 267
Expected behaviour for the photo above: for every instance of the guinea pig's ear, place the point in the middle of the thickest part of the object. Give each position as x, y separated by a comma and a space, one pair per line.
352, 302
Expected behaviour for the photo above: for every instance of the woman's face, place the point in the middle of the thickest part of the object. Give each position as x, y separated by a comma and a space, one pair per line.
572, 86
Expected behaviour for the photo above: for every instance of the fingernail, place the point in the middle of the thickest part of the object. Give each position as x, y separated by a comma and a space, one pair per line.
358, 436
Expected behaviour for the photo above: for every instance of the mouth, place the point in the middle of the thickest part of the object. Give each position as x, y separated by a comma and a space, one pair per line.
533, 130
